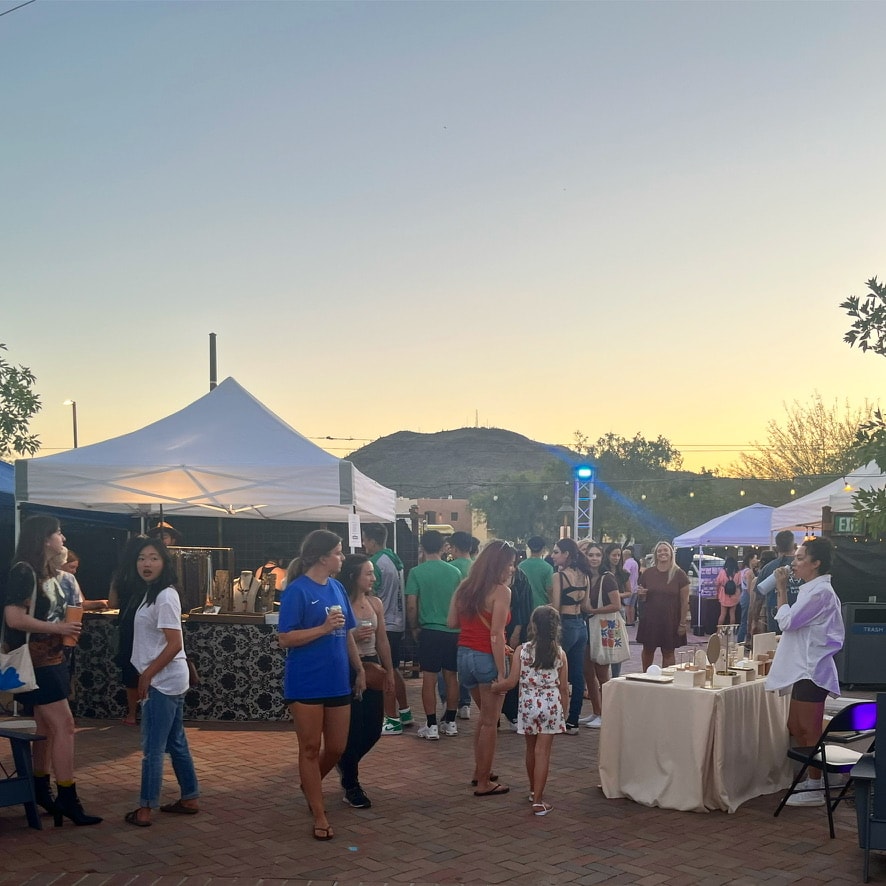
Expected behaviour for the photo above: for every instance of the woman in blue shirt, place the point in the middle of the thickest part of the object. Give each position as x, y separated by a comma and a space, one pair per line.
315, 627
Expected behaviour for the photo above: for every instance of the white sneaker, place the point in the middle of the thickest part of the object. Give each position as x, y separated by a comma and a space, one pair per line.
448, 728
594, 723
812, 798
584, 720
464, 712
428, 733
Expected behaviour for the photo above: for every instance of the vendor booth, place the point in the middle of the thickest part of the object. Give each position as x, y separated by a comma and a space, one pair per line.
224, 455
746, 526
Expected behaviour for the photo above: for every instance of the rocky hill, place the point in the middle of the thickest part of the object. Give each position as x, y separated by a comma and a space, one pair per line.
456, 463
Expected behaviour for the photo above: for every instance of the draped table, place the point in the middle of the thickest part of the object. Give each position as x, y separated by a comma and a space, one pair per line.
693, 749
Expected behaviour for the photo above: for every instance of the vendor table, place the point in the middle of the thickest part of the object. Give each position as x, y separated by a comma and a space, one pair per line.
692, 749
240, 667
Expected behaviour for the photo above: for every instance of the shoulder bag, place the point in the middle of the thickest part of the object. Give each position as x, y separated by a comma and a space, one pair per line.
607, 634
16, 667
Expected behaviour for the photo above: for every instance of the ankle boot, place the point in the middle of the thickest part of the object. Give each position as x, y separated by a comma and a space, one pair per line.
43, 793
67, 805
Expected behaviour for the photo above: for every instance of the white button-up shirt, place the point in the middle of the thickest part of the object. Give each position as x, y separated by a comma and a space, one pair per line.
812, 635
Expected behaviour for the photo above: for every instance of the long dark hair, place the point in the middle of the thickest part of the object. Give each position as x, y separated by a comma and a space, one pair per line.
488, 570
317, 544
621, 576
577, 559
544, 634
350, 570
31, 547
730, 565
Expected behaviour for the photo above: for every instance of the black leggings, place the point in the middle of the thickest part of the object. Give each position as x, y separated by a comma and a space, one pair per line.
364, 732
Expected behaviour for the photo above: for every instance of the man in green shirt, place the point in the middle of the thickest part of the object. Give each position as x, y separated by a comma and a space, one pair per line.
429, 591
538, 571
460, 551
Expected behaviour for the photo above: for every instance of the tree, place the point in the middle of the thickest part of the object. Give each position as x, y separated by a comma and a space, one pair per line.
18, 405
870, 323
810, 442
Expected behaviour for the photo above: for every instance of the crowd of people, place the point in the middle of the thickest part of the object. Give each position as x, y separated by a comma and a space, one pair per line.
493, 631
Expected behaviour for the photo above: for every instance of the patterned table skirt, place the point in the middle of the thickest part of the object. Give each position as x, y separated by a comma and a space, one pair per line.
240, 667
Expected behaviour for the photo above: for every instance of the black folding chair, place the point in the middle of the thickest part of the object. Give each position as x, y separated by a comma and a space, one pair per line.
870, 802
830, 754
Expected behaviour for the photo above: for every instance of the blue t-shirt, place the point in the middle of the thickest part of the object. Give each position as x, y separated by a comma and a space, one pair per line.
320, 668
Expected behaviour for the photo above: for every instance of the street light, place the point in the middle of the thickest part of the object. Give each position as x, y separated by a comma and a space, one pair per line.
73, 405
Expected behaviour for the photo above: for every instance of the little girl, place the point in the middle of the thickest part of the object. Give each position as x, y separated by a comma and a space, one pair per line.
543, 676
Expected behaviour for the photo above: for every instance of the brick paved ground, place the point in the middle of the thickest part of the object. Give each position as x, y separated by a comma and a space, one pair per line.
424, 827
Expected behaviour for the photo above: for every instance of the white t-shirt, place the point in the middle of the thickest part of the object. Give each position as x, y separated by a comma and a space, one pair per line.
149, 641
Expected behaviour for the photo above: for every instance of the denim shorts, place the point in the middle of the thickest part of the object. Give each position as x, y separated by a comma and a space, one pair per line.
475, 667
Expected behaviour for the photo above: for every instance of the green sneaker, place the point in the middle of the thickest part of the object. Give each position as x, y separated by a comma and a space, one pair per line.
391, 726
406, 718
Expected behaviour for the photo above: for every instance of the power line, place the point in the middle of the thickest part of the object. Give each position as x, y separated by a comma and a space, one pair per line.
26, 3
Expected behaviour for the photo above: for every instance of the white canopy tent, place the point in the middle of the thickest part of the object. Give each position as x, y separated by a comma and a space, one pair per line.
746, 526
226, 453
805, 512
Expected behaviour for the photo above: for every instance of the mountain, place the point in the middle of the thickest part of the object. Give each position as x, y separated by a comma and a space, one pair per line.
456, 463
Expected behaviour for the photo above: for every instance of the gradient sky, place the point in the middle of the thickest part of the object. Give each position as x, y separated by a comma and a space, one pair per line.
545, 217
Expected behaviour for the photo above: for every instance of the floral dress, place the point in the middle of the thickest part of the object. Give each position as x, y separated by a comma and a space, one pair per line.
539, 710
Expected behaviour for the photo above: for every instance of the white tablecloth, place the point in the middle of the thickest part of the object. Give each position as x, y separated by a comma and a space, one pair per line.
693, 749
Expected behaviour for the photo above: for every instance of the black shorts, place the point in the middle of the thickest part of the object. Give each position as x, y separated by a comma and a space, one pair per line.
129, 676
334, 701
437, 650
806, 690
53, 684
395, 639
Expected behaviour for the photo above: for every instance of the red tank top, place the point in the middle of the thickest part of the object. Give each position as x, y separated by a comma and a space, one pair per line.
476, 634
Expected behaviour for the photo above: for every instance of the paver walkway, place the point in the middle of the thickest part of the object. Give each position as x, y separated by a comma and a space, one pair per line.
424, 826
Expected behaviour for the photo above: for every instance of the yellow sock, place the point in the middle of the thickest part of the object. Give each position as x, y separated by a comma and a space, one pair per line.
65, 784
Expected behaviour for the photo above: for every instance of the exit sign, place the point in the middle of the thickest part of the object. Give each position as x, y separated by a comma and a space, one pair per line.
846, 524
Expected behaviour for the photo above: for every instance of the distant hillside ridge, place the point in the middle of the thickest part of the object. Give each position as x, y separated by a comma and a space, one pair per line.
457, 463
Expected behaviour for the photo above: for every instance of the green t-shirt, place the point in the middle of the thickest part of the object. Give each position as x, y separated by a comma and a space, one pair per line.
463, 565
433, 582
539, 573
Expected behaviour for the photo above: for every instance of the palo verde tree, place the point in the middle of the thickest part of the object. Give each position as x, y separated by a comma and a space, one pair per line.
808, 443
18, 405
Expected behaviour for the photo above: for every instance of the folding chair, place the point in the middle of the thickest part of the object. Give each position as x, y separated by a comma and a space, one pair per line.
830, 754
870, 803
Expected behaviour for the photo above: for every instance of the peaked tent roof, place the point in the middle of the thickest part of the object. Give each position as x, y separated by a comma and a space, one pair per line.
806, 511
746, 526
226, 453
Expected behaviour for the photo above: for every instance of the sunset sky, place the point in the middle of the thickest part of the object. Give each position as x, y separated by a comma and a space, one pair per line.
544, 217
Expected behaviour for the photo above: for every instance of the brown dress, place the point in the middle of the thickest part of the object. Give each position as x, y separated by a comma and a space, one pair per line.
662, 609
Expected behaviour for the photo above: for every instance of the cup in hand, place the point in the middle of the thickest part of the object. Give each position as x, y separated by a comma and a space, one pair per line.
73, 614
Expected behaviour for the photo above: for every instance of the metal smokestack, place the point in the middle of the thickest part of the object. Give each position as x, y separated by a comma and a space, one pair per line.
213, 364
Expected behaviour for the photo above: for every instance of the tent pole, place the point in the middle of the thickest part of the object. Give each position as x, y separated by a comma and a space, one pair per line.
700, 627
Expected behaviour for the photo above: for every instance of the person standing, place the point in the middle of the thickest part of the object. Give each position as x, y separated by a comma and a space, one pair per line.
728, 588
664, 596
158, 654
429, 591
480, 610
569, 596
812, 634
43, 627
388, 570
460, 544
750, 562
632, 567
367, 711
785, 547
538, 571
315, 628
540, 668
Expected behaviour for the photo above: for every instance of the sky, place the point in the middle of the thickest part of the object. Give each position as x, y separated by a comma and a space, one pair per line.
544, 217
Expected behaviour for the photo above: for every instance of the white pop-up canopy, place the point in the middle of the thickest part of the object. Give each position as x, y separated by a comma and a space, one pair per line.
746, 526
805, 512
226, 453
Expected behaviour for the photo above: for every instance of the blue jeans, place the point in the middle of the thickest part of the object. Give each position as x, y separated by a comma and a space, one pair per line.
574, 632
163, 731
745, 602
464, 694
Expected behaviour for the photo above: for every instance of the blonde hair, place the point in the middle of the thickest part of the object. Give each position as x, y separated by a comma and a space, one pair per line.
673, 570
